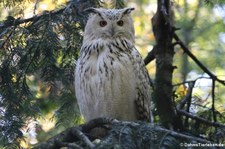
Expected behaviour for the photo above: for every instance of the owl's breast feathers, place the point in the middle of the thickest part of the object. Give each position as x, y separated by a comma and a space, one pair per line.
111, 80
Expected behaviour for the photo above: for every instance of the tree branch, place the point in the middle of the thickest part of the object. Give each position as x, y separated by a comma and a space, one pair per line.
124, 134
19, 21
188, 96
74, 134
202, 120
82, 137
205, 69
183, 136
213, 101
150, 57
71, 6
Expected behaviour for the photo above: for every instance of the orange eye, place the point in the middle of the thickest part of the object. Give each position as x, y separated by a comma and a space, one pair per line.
120, 23
102, 23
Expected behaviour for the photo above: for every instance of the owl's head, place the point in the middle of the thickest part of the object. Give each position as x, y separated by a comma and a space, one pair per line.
109, 24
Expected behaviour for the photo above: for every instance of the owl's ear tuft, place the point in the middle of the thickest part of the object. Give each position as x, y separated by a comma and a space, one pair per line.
93, 10
128, 10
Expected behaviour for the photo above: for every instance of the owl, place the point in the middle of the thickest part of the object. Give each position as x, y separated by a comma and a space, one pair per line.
110, 76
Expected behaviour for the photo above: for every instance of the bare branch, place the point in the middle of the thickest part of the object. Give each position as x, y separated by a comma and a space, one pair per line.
204, 68
120, 130
202, 120
213, 101
188, 96
171, 132
81, 136
180, 135
74, 133
150, 57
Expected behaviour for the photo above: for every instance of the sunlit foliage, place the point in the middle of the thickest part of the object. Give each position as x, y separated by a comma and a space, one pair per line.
39, 44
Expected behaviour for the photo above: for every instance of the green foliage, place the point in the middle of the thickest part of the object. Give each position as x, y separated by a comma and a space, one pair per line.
214, 2
113, 4
37, 61
11, 2
68, 108
38, 57
39, 52
200, 28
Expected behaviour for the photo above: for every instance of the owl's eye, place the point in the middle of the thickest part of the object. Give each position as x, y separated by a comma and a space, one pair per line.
102, 23
120, 23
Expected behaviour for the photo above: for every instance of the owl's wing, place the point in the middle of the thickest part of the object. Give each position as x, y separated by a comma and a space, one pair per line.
143, 98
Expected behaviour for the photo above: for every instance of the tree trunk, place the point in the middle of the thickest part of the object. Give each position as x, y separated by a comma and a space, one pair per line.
163, 32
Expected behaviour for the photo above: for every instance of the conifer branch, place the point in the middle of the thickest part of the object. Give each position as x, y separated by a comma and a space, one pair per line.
18, 21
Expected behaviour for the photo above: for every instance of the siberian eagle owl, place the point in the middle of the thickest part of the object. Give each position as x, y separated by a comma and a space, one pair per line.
110, 76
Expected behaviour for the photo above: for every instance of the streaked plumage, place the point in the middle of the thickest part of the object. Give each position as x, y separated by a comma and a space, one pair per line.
110, 76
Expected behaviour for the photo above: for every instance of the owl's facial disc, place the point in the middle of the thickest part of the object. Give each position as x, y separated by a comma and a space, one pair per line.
110, 24
111, 28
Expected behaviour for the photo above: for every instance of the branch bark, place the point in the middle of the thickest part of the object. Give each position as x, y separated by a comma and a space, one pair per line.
123, 134
150, 57
163, 32
74, 134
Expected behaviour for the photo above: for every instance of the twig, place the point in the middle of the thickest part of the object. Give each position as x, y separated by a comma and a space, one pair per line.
205, 69
181, 83
188, 108
186, 98
213, 101
150, 57
180, 135
167, 131
8, 37
163, 138
81, 136
73, 133
67, 135
202, 120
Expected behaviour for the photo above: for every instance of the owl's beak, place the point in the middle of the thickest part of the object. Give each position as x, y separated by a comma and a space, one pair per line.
112, 31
